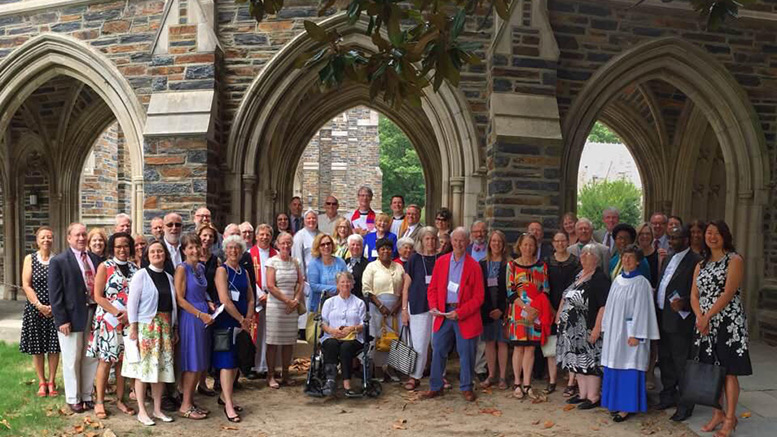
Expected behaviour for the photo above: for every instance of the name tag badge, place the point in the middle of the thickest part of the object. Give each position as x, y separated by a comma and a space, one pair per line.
374, 253
453, 287
235, 295
493, 282
428, 279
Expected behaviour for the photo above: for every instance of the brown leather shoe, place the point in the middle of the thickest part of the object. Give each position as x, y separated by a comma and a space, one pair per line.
469, 395
76, 408
430, 394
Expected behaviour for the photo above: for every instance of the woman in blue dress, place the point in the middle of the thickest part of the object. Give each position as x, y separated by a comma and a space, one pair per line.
237, 296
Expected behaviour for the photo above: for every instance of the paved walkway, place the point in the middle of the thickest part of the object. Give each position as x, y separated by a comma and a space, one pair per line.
758, 396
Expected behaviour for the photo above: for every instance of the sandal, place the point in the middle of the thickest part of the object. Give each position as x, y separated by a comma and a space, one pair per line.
234, 406
445, 384
412, 384
273, 384
570, 391
234, 419
191, 413
531, 392
201, 410
99, 411
550, 388
518, 391
502, 384
52, 390
125, 409
488, 382
42, 390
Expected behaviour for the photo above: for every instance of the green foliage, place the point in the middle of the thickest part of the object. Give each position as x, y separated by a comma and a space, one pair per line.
602, 134
595, 196
21, 411
402, 171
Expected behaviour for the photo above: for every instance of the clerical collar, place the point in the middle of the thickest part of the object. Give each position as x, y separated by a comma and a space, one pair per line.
401, 217
119, 262
630, 274
155, 269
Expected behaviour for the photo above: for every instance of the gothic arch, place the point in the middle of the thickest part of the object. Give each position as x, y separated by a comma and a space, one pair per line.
726, 107
50, 55
442, 131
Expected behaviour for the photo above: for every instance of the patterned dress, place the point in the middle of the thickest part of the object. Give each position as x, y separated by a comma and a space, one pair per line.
521, 331
282, 327
106, 341
727, 342
39, 335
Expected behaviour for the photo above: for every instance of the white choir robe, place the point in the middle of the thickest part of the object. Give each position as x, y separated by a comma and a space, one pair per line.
629, 312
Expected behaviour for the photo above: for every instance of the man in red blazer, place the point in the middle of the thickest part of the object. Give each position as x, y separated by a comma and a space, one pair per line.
455, 295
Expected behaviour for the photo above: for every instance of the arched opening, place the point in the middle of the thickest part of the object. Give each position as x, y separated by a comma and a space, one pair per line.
694, 132
281, 111
609, 177
57, 96
351, 150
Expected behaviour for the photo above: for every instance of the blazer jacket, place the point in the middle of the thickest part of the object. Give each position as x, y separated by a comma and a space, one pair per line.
681, 281
470, 294
67, 290
501, 295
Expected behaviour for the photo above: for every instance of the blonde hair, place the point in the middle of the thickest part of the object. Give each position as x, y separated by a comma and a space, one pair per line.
383, 216
505, 248
316, 249
336, 236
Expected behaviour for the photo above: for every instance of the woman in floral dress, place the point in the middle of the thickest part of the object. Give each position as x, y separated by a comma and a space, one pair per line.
106, 342
721, 325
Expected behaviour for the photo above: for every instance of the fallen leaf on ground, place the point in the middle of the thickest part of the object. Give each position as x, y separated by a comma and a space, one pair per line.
536, 422
548, 424
487, 391
747, 415
342, 411
229, 428
491, 411
90, 434
109, 433
594, 428
569, 407
5, 423
537, 401
30, 382
78, 429
65, 411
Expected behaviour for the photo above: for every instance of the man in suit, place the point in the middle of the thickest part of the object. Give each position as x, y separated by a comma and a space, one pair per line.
295, 214
71, 290
675, 319
411, 226
544, 249
611, 217
584, 231
356, 263
478, 233
455, 295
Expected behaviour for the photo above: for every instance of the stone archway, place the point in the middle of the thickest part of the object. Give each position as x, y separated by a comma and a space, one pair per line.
37, 62
280, 113
726, 108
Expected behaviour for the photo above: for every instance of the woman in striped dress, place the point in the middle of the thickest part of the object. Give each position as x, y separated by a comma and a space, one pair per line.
284, 282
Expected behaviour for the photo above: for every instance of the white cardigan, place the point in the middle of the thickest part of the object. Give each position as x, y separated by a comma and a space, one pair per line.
144, 297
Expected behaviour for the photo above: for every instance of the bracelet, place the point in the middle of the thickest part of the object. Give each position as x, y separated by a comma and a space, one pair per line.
198, 314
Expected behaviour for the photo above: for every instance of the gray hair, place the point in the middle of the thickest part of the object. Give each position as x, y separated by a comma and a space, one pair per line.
122, 215
461, 230
226, 228
611, 209
404, 241
234, 239
265, 227
367, 189
590, 249
419, 239
346, 274
245, 225
478, 222
586, 221
355, 237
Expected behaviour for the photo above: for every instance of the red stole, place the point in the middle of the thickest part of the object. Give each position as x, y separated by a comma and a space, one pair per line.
370, 218
257, 260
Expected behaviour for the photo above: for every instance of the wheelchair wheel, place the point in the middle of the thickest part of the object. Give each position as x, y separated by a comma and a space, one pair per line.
374, 389
314, 388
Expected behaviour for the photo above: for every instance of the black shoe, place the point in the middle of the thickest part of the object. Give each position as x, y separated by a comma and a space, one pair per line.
617, 418
664, 406
169, 404
482, 376
252, 375
575, 400
588, 405
681, 414
329, 388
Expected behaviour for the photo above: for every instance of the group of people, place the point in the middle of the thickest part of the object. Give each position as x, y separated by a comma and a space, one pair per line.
168, 310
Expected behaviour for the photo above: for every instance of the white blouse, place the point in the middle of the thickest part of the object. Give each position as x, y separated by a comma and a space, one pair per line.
339, 312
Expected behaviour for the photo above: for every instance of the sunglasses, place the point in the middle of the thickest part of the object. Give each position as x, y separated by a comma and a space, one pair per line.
330, 203
328, 243
176, 225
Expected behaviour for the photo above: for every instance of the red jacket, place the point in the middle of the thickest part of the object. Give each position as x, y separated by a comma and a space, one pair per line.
470, 294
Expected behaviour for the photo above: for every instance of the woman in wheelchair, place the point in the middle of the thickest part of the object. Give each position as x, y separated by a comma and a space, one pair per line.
342, 318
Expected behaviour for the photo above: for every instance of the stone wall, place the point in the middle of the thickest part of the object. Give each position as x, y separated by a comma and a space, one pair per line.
342, 156
36, 182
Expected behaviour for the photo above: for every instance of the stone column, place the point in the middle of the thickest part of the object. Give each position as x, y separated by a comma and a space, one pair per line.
457, 191
137, 205
249, 187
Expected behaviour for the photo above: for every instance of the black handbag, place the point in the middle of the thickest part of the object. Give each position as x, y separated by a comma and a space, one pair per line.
702, 383
222, 340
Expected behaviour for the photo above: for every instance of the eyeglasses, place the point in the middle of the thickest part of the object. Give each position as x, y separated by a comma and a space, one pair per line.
330, 203
441, 219
177, 225
328, 243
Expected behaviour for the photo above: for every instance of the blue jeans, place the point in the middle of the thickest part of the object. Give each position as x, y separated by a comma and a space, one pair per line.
442, 343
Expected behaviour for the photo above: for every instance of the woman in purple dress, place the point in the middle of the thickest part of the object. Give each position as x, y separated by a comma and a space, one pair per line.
192, 296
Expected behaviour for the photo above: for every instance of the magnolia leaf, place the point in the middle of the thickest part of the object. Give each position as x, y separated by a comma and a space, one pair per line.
394, 31
458, 23
502, 9
316, 32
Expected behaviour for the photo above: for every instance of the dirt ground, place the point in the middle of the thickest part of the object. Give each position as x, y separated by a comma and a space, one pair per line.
289, 412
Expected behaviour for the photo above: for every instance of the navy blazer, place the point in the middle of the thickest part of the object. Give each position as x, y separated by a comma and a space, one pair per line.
681, 281
501, 296
67, 290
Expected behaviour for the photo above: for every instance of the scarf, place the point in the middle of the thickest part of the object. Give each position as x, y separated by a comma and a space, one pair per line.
370, 218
